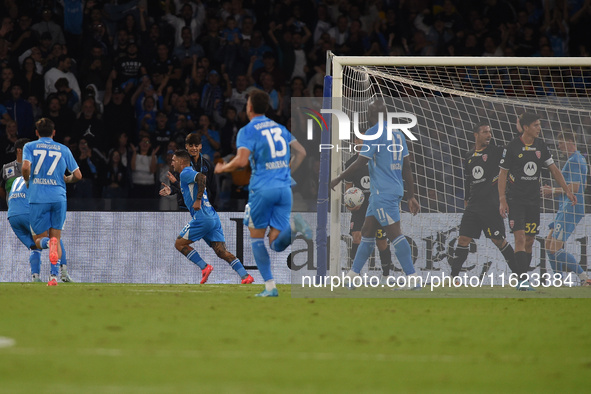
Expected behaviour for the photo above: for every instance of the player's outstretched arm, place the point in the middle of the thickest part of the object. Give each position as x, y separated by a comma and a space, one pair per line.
74, 177
357, 164
502, 185
298, 153
239, 161
555, 171
413, 205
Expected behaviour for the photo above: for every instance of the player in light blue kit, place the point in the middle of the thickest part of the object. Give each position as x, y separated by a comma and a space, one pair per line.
44, 165
575, 172
269, 147
205, 223
389, 171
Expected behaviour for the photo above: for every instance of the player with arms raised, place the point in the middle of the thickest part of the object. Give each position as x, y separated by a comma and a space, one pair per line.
481, 172
205, 223
522, 163
273, 154
575, 172
389, 172
44, 165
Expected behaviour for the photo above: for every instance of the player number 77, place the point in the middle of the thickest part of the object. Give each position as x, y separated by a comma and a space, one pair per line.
56, 157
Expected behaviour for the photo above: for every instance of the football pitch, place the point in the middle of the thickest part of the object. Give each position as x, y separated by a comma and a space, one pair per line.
117, 338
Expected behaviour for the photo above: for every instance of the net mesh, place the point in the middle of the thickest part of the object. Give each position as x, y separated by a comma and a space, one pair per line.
448, 101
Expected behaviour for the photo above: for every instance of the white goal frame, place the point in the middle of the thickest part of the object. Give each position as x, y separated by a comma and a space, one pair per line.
337, 63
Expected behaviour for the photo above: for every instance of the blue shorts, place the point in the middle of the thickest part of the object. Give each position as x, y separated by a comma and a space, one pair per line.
385, 208
270, 207
44, 216
22, 228
564, 225
209, 230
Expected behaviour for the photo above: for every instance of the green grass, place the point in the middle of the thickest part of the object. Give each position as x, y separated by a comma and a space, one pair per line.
100, 338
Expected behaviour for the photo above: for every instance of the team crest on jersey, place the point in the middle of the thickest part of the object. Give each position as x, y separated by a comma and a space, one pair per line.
484, 157
511, 223
9, 172
538, 154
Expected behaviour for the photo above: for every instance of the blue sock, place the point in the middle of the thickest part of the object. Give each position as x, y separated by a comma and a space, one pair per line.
44, 243
552, 261
567, 262
54, 269
364, 250
195, 258
404, 254
239, 268
283, 240
35, 261
63, 260
261, 257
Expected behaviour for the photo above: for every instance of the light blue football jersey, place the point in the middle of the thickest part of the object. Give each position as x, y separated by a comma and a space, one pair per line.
268, 143
49, 161
385, 161
189, 189
575, 171
18, 202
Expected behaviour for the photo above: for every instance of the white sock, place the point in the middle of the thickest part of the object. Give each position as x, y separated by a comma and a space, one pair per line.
270, 285
583, 276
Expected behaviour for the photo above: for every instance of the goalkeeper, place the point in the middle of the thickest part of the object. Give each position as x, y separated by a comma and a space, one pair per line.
481, 172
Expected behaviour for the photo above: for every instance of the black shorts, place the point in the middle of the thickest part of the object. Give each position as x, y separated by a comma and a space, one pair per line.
357, 220
524, 216
488, 220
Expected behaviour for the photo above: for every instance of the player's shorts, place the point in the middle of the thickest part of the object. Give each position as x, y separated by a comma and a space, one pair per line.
271, 207
209, 230
488, 221
44, 216
564, 225
385, 208
22, 228
524, 217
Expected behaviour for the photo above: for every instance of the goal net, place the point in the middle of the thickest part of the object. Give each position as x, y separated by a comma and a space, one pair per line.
449, 96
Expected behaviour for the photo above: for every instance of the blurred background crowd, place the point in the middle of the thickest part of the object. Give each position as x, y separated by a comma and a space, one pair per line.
125, 81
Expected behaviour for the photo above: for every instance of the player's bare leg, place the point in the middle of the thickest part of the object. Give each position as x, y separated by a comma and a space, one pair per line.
183, 246
262, 259
220, 250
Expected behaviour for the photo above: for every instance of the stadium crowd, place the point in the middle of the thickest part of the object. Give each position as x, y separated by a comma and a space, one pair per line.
126, 81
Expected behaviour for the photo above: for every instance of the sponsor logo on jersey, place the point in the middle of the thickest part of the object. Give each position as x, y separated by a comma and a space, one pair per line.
530, 168
9, 172
477, 172
365, 182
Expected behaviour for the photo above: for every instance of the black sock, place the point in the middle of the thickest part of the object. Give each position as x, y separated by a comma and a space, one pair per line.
521, 263
353, 253
457, 260
386, 260
509, 255
529, 255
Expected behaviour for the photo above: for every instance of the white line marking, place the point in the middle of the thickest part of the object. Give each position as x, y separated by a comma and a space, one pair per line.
7, 342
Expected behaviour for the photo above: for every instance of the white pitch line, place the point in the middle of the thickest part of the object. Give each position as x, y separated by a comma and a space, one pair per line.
7, 342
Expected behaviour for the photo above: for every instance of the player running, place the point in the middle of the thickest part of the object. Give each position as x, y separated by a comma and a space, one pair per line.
269, 147
575, 174
44, 165
205, 223
388, 172
481, 172
522, 163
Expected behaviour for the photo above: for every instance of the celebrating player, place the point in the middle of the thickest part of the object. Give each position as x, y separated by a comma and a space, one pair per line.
268, 145
389, 171
205, 223
481, 172
360, 179
44, 165
522, 162
575, 174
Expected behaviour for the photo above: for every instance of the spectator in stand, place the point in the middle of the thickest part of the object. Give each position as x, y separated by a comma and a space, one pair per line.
115, 179
95, 69
47, 25
61, 71
7, 80
25, 37
129, 69
62, 118
72, 98
270, 67
92, 165
143, 170
186, 17
21, 111
185, 52
210, 139
30, 80
7, 141
88, 126
212, 94
236, 96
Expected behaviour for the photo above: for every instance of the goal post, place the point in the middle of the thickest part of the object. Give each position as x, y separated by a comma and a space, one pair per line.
449, 95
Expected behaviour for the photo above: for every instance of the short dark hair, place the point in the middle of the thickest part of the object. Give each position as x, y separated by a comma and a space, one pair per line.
259, 100
567, 135
477, 126
20, 143
527, 118
193, 139
183, 155
45, 127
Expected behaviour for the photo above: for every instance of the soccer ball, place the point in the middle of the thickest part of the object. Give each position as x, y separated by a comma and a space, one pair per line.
353, 197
